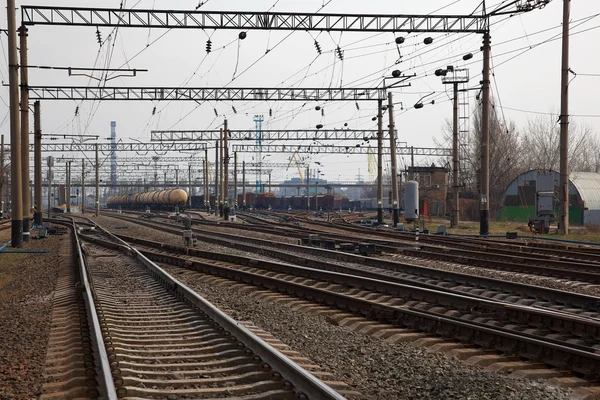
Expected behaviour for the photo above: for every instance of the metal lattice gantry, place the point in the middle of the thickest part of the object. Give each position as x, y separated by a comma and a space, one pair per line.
249, 134
331, 149
204, 94
248, 20
108, 147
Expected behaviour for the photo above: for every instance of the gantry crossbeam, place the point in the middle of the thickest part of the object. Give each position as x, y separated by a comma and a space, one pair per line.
107, 147
330, 149
250, 134
182, 19
203, 94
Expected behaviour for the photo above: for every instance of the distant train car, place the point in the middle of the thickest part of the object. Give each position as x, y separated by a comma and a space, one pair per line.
161, 199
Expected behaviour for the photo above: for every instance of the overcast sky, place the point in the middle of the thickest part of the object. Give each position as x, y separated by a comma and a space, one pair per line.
528, 82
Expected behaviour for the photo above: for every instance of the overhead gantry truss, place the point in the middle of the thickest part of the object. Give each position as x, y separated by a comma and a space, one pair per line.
250, 134
327, 149
248, 20
204, 94
108, 147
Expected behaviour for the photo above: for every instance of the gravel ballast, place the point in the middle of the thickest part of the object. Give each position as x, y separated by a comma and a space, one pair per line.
377, 369
27, 284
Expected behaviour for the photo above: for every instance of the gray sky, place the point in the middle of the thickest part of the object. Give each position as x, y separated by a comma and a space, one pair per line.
528, 82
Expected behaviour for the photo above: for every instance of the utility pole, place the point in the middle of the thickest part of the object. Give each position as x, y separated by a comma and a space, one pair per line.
37, 162
269, 181
216, 177
380, 162
484, 224
83, 185
395, 210
1, 176
455, 166
15, 131
68, 186
97, 182
190, 184
50, 178
226, 172
244, 184
563, 227
25, 135
235, 180
221, 180
307, 188
206, 183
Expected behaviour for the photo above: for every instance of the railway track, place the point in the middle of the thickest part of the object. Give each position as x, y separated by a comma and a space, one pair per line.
558, 339
164, 341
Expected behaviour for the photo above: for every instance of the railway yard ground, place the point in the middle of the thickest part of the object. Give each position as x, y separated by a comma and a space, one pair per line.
290, 306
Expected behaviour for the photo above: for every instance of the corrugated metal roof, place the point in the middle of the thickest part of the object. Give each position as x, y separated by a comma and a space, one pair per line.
588, 186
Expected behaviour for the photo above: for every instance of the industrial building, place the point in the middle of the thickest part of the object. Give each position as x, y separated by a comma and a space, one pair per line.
519, 199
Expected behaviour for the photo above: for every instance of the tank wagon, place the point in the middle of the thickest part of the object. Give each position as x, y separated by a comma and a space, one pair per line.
157, 200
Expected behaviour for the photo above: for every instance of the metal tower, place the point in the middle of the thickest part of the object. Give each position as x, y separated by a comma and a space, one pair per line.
113, 157
258, 120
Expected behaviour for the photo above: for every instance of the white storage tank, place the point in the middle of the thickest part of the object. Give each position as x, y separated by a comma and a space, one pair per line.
411, 201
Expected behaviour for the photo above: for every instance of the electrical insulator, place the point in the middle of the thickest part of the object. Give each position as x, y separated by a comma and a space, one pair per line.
357, 106
317, 108
396, 73
419, 105
234, 110
270, 112
154, 111
77, 111
428, 40
322, 112
399, 40
345, 124
98, 36
208, 46
242, 35
467, 56
216, 113
340, 53
374, 119
319, 126
318, 47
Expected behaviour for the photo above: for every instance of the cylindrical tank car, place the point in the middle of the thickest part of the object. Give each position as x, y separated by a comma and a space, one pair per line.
160, 199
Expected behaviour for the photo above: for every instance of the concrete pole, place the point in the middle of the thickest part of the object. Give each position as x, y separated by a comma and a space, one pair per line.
380, 162
97, 182
83, 185
395, 210
1, 176
235, 180
25, 135
244, 184
484, 224
563, 226
15, 131
226, 172
455, 167
68, 186
37, 162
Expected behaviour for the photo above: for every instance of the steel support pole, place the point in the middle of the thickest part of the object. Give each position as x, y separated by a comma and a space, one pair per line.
226, 172
189, 185
83, 185
395, 209
455, 166
484, 224
380, 162
49, 186
97, 182
25, 135
307, 189
244, 184
235, 180
563, 226
68, 186
206, 182
1, 176
37, 162
16, 178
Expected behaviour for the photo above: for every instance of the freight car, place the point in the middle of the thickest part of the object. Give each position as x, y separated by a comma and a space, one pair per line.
157, 200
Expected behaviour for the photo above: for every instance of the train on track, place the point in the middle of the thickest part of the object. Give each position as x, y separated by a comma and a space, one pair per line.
263, 201
156, 200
